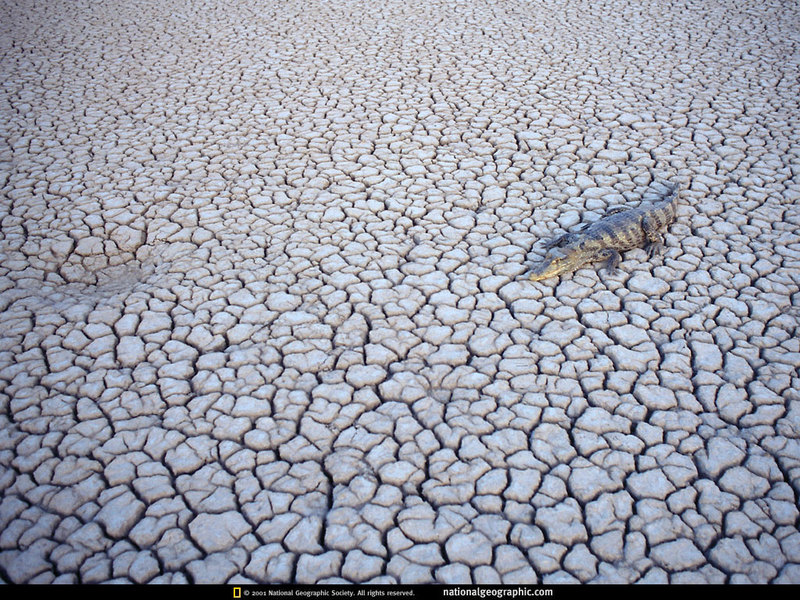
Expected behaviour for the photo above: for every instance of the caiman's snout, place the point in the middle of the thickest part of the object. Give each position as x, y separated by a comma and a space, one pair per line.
555, 263
543, 270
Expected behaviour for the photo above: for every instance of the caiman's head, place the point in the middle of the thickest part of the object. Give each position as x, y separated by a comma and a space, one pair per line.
556, 262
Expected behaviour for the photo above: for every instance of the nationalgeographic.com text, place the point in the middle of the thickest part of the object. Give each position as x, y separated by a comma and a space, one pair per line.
516, 592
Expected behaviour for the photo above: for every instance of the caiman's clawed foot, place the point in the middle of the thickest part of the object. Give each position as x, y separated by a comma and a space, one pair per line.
559, 241
654, 249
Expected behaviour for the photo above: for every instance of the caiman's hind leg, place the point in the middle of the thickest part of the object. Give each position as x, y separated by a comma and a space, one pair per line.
654, 238
654, 248
615, 209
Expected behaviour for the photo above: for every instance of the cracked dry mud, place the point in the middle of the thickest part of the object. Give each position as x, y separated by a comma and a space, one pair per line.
265, 314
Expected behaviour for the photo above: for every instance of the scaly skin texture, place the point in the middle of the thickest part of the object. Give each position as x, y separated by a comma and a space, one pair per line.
620, 230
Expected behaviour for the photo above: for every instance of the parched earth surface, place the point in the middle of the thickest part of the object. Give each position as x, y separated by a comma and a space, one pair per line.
265, 314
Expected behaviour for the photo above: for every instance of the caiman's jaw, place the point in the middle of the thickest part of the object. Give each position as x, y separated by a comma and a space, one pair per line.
555, 263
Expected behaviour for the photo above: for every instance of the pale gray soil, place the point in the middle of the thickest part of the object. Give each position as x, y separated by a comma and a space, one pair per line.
263, 305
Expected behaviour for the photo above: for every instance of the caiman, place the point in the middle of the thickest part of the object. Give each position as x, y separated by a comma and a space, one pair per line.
620, 229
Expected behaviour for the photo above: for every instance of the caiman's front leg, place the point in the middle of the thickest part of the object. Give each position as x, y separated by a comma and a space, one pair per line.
560, 240
566, 239
612, 262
